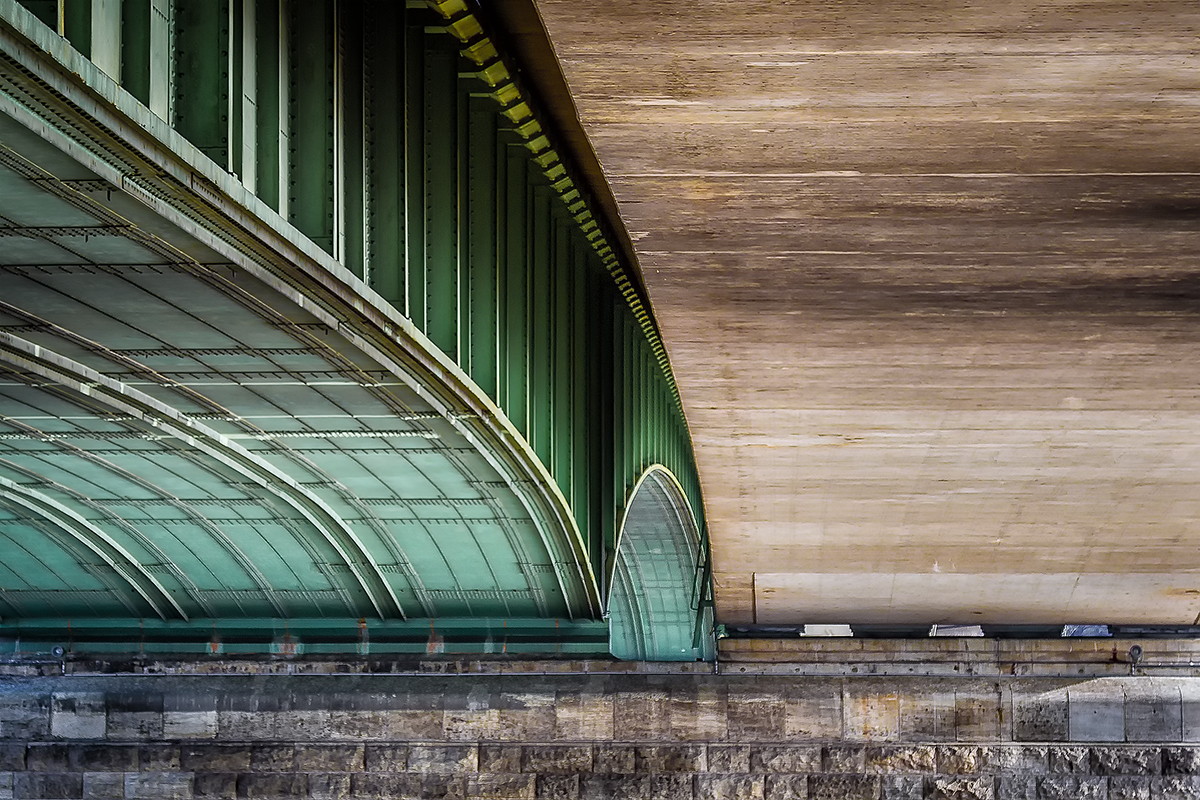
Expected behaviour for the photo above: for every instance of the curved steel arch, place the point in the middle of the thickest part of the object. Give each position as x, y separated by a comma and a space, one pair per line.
656, 607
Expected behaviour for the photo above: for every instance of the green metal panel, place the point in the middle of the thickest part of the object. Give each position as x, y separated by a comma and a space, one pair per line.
516, 288
75, 23
135, 48
540, 332
416, 262
483, 189
352, 134
311, 98
270, 130
383, 89
45, 10
440, 201
106, 37
201, 77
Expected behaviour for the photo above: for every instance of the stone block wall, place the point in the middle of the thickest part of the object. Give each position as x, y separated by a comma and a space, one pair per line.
569, 736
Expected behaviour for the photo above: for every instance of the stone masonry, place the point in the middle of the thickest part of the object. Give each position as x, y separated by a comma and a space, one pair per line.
586, 736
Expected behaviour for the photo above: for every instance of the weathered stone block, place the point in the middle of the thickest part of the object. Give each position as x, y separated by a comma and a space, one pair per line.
272, 785
1039, 716
1020, 759
189, 724
961, 788
158, 785
426, 724
499, 758
48, 758
786, 787
669, 758
557, 787
813, 711
385, 785
329, 758
1128, 789
872, 714
838, 758
1096, 713
501, 786
1070, 760
1176, 787
326, 786
135, 726
927, 716
273, 758
1126, 760
104, 758
443, 759
1016, 787
245, 726
671, 786
960, 759
1181, 760
755, 716
215, 785
614, 759
728, 758
977, 715
386, 757
24, 718
12, 757
908, 758
556, 758
1153, 711
903, 787
729, 787
161, 757
6, 786
38, 785
1065, 787
214, 758
103, 786
844, 787
606, 787
782, 758
641, 716
77, 715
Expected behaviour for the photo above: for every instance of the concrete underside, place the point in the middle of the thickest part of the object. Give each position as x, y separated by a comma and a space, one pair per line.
927, 276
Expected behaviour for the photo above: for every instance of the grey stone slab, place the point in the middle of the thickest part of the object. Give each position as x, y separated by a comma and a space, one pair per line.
162, 757
1016, 787
12, 757
961, 759
6, 786
891, 759
1129, 789
786, 787
844, 758
1153, 711
443, 759
728, 758
158, 785
1175, 787
1065, 787
844, 787
329, 758
272, 785
902, 787
48, 758
39, 785
756, 716
1038, 716
24, 717
872, 713
78, 715
1126, 760
215, 757
1070, 760
103, 786
104, 758
614, 759
606, 787
730, 787
672, 786
1028, 759
189, 724
1096, 712
928, 716
557, 758
977, 716
785, 758
669, 758
328, 786
501, 786
813, 710
500, 757
960, 788
1181, 760
215, 785
385, 757
557, 787
273, 757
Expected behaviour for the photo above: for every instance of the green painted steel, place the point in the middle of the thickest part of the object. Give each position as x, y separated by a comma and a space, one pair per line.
398, 143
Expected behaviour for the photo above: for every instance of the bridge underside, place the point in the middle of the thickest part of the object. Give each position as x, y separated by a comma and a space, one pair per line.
928, 280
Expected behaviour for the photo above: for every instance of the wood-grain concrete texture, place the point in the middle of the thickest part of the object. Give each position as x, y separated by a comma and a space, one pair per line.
928, 276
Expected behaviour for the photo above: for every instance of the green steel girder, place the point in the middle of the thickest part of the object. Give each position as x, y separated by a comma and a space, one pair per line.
373, 170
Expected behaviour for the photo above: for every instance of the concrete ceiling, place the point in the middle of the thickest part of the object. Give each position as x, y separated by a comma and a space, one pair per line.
928, 276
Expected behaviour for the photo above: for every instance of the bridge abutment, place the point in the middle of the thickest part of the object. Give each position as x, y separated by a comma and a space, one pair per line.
275, 728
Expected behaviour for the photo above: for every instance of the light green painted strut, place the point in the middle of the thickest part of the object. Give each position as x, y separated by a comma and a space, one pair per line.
333, 340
